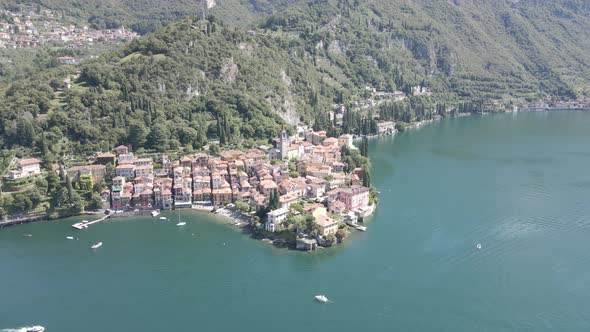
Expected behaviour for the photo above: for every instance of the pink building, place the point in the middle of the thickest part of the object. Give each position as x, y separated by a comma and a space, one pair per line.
354, 198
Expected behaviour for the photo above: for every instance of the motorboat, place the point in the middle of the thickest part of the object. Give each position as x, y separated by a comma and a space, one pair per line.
478, 246
321, 298
155, 213
97, 245
69, 237
163, 218
37, 328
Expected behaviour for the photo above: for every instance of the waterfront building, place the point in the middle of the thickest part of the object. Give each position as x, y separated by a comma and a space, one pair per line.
275, 218
327, 225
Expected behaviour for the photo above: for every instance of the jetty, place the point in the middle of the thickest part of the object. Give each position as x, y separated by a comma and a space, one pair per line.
84, 224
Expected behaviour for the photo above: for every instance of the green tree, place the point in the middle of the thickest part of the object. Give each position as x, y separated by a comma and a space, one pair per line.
366, 177
244, 207
158, 137
137, 134
95, 202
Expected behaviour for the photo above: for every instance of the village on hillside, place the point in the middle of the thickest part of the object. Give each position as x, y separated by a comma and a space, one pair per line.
34, 28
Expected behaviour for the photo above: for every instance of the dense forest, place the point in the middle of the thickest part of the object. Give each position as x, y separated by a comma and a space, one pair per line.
200, 79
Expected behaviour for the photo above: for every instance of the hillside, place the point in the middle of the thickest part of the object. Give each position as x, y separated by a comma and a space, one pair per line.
146, 16
195, 79
499, 48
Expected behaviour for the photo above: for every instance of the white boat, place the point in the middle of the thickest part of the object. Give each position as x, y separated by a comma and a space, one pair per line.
97, 245
321, 298
69, 237
478, 246
37, 328
155, 213
180, 223
162, 218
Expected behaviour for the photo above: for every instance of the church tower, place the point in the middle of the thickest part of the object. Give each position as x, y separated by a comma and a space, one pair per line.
284, 144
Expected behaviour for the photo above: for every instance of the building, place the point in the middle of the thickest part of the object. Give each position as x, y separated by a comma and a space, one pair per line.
221, 196
126, 171
275, 218
327, 225
330, 142
97, 172
105, 158
66, 60
306, 244
354, 198
284, 144
144, 171
385, 128
25, 168
122, 149
345, 140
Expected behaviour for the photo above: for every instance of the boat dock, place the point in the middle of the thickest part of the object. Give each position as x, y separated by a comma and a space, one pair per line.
85, 224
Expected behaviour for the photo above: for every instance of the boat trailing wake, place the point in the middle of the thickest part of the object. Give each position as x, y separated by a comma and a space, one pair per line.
22, 329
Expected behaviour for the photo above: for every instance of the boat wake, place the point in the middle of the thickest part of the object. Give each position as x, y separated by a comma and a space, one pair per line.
24, 329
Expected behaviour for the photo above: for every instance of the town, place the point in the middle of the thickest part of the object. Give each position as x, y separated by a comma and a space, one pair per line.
36, 28
301, 176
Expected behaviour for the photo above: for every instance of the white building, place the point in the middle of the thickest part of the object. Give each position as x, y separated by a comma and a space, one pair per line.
275, 218
126, 171
26, 168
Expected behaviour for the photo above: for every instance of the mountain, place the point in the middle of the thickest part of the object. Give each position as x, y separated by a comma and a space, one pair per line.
197, 79
499, 48
146, 16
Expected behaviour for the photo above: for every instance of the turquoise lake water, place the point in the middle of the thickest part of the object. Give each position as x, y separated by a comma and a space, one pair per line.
516, 183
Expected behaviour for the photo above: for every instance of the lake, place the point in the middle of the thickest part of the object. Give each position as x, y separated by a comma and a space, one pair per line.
518, 184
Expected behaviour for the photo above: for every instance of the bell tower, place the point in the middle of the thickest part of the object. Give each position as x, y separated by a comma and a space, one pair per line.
284, 144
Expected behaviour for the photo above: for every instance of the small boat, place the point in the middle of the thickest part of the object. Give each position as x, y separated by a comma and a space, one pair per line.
155, 213
478, 246
163, 218
28, 235
69, 237
97, 245
180, 223
37, 328
321, 298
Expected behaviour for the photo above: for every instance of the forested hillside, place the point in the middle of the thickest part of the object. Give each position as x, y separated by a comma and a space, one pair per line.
146, 16
198, 79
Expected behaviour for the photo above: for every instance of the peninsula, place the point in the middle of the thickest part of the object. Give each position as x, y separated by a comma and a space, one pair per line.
302, 192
